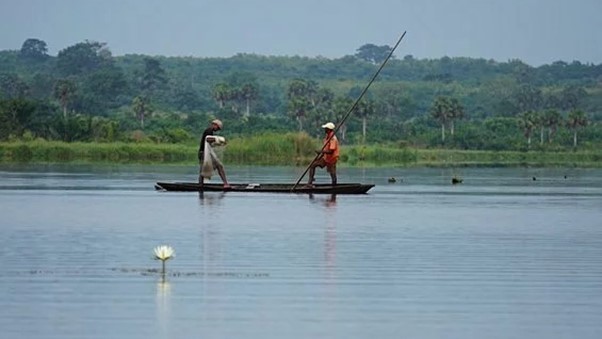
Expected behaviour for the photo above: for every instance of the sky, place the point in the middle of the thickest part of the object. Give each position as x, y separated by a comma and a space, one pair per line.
534, 31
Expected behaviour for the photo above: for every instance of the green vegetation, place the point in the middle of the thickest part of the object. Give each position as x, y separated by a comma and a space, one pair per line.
86, 104
287, 149
59, 151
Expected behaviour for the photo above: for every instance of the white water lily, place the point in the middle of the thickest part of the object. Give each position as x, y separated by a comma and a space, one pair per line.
164, 253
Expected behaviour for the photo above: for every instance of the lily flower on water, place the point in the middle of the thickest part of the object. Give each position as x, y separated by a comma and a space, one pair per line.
164, 253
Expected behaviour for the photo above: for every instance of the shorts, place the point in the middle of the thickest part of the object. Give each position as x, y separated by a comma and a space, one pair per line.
330, 168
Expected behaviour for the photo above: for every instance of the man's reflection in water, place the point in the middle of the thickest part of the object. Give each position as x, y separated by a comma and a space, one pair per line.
330, 233
212, 198
330, 237
329, 201
210, 240
209, 229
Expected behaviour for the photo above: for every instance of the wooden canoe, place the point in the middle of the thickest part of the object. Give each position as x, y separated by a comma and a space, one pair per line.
344, 188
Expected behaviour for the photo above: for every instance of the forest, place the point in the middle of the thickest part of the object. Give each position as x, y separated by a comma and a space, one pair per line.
85, 94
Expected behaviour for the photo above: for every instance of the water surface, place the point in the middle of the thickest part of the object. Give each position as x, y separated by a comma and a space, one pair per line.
500, 256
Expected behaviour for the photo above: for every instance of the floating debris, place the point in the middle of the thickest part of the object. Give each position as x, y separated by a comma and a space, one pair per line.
140, 271
456, 180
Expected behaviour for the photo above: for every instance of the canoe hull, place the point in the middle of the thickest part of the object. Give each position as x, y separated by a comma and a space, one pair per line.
345, 188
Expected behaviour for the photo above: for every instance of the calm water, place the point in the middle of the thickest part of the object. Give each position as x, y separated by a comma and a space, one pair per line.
499, 256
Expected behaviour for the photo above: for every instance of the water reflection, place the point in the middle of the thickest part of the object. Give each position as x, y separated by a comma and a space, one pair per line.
500, 256
329, 201
330, 237
211, 199
210, 249
163, 290
332, 201
330, 243
163, 305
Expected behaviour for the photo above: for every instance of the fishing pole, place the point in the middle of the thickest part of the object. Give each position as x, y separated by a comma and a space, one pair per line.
353, 107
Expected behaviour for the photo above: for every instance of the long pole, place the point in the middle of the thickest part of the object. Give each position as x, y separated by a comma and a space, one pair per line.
353, 107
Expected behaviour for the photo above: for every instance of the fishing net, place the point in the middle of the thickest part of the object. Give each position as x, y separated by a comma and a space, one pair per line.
210, 160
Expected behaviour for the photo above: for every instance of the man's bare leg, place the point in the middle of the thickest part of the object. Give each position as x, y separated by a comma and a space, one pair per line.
312, 173
333, 177
222, 174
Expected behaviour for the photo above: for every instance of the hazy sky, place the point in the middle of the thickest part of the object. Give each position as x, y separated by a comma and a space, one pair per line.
535, 31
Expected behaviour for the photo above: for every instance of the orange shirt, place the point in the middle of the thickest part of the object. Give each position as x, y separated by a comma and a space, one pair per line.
332, 145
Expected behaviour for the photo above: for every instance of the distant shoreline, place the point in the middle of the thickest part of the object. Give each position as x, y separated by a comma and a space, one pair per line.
242, 153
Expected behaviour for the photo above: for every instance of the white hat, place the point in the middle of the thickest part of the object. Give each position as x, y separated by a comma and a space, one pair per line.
328, 125
218, 123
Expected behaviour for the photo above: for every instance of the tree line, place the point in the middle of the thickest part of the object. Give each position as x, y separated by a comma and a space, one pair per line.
84, 93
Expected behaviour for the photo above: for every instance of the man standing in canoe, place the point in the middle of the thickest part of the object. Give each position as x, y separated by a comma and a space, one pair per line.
329, 155
207, 158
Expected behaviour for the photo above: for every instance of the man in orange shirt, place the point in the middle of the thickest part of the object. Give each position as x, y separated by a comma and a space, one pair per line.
329, 155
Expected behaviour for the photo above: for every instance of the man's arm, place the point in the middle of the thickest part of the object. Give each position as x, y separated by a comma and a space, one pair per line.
327, 150
217, 140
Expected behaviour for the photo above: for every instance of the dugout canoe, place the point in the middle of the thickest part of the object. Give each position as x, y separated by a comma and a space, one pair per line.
343, 188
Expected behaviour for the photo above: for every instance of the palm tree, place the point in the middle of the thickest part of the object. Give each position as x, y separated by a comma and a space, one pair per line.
552, 119
456, 111
527, 121
141, 108
311, 91
341, 106
576, 120
249, 92
298, 108
235, 97
300, 102
220, 93
365, 109
540, 121
64, 91
321, 109
440, 111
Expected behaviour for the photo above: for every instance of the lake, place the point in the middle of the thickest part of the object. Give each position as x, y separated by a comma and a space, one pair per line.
509, 253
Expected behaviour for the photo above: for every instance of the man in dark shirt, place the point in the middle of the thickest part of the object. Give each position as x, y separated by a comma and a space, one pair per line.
208, 136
